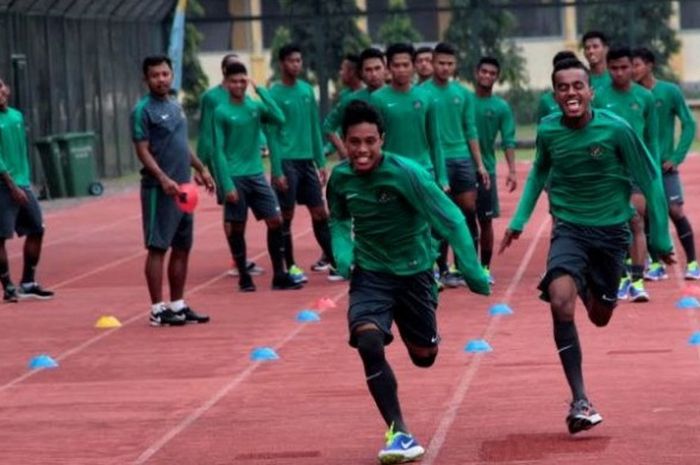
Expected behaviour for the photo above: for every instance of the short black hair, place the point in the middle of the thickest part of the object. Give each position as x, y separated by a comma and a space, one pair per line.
619, 52
353, 58
569, 63
563, 55
370, 53
594, 35
235, 68
420, 50
646, 55
358, 112
287, 50
155, 60
444, 48
225, 60
400, 47
489, 61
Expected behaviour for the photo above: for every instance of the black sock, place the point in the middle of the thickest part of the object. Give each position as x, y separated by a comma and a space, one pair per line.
486, 257
637, 272
685, 236
5, 275
29, 270
236, 242
442, 258
322, 232
473, 226
275, 247
288, 248
380, 378
566, 339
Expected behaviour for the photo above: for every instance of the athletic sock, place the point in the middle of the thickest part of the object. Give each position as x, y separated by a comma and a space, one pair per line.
686, 238
322, 232
157, 307
288, 248
237, 245
473, 226
275, 247
637, 272
380, 378
177, 305
566, 339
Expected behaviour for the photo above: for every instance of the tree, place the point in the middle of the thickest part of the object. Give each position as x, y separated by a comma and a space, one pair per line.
478, 28
194, 80
398, 27
282, 36
640, 23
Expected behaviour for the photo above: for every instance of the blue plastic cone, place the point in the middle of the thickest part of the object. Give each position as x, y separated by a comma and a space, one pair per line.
478, 345
687, 303
308, 316
694, 339
42, 361
500, 309
263, 354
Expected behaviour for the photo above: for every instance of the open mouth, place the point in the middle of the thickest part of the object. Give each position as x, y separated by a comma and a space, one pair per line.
573, 105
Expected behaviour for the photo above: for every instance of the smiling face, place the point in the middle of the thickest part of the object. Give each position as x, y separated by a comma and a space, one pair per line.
364, 145
236, 85
573, 93
487, 75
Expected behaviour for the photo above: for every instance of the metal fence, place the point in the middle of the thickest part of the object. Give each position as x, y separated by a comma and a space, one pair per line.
74, 65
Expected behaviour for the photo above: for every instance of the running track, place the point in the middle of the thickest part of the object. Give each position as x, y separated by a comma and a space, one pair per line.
191, 395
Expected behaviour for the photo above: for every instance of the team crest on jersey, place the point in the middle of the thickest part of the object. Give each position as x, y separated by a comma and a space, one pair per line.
385, 196
596, 151
634, 106
489, 113
417, 104
456, 101
254, 113
659, 103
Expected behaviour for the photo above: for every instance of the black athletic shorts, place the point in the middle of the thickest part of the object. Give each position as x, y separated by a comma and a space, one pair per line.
673, 187
593, 255
461, 174
254, 192
21, 219
164, 224
382, 298
487, 205
304, 186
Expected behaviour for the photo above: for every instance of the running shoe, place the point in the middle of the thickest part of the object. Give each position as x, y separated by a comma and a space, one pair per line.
623, 292
251, 268
193, 317
655, 272
321, 265
400, 448
245, 283
582, 416
637, 293
9, 295
166, 317
298, 274
285, 282
334, 276
692, 271
33, 291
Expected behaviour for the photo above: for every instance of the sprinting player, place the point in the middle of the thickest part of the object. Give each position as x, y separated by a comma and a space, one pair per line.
239, 172
373, 70
595, 49
670, 105
19, 210
634, 104
159, 131
493, 115
409, 115
423, 63
586, 157
547, 105
296, 156
454, 106
211, 99
383, 207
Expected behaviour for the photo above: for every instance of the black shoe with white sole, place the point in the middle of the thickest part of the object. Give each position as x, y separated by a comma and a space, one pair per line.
33, 291
582, 416
193, 317
285, 282
167, 317
10, 294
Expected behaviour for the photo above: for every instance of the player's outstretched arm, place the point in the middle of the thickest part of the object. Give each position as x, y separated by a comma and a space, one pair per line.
272, 113
341, 229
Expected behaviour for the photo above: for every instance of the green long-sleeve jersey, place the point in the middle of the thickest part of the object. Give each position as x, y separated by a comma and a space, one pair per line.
454, 107
670, 105
589, 176
381, 221
601, 80
493, 115
334, 119
299, 138
547, 105
636, 106
237, 129
210, 100
411, 127
13, 147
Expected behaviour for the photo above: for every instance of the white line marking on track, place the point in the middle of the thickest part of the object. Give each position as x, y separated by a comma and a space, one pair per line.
448, 418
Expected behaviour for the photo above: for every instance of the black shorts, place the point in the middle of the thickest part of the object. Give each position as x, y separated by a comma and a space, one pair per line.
254, 192
487, 205
592, 255
461, 174
382, 298
164, 224
673, 187
304, 185
21, 219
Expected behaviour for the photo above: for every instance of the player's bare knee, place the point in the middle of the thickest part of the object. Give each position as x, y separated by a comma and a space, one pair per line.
676, 212
562, 305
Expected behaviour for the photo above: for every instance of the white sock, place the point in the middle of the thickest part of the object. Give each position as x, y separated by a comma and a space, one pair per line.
177, 305
157, 308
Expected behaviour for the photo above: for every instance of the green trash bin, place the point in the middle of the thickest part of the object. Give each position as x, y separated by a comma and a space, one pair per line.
78, 158
51, 162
